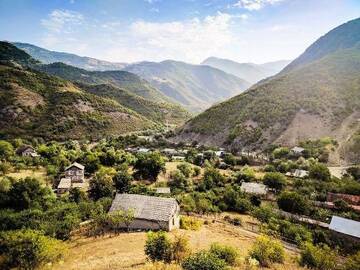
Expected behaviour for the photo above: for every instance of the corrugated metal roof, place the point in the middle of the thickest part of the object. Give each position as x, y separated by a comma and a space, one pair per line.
254, 188
65, 183
146, 207
163, 190
345, 226
75, 164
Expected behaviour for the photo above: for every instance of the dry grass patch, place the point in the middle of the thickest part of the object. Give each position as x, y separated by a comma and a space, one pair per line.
39, 174
126, 251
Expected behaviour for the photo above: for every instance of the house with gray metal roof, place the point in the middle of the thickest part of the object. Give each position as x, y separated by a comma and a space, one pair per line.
75, 172
150, 212
345, 227
254, 188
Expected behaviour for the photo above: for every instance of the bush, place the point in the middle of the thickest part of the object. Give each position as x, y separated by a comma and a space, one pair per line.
263, 213
185, 168
226, 253
275, 180
292, 202
320, 172
28, 249
353, 262
318, 257
242, 205
190, 223
180, 248
266, 251
178, 180
158, 247
203, 260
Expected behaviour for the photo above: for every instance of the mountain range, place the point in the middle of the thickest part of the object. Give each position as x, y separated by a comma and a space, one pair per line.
196, 87
47, 57
316, 95
249, 71
34, 103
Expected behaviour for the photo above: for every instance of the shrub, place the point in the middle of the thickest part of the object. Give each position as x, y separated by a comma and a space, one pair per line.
190, 223
242, 205
28, 249
320, 172
178, 180
318, 257
266, 251
292, 202
203, 260
263, 213
226, 253
180, 248
353, 262
275, 180
158, 247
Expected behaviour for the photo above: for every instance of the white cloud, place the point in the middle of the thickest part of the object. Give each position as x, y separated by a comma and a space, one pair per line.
255, 4
62, 20
190, 40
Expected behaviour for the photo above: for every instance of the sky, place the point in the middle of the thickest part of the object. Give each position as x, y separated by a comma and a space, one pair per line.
188, 30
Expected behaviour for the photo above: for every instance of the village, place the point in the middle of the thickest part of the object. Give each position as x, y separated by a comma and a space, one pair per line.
143, 183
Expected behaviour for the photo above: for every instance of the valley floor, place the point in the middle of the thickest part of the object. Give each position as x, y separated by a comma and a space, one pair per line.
126, 251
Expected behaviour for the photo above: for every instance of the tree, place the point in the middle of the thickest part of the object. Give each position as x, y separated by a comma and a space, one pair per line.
318, 257
28, 193
185, 168
6, 150
118, 219
275, 180
28, 249
280, 152
203, 260
149, 165
292, 202
178, 180
77, 195
212, 178
266, 251
319, 171
158, 247
246, 174
101, 186
122, 181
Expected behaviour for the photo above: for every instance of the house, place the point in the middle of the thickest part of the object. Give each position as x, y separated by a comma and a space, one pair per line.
64, 186
297, 150
220, 153
150, 213
254, 188
298, 173
162, 190
75, 172
345, 228
26, 151
143, 150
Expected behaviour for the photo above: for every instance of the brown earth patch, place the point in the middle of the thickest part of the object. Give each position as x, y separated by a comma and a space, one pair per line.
26, 97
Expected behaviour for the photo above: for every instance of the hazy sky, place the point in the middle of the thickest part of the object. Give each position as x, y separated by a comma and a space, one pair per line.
188, 30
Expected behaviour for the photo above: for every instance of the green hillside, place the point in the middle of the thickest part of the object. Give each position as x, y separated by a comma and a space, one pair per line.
316, 99
118, 78
34, 104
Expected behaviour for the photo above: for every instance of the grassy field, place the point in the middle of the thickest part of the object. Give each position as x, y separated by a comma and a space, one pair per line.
126, 251
39, 173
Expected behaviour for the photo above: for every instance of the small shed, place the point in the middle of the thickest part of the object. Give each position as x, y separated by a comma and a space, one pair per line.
162, 190
177, 158
150, 212
298, 173
75, 172
346, 228
64, 185
26, 151
297, 150
254, 188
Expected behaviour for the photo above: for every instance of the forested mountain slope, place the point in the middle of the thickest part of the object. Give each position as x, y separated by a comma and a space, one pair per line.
319, 97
